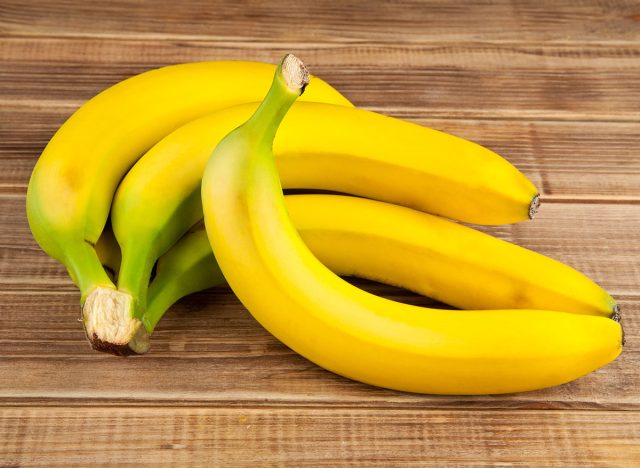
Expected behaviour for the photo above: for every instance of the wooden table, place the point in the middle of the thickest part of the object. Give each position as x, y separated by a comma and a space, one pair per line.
552, 86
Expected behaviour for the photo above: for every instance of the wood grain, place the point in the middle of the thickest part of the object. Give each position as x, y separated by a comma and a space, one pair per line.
305, 20
209, 350
553, 86
311, 437
457, 80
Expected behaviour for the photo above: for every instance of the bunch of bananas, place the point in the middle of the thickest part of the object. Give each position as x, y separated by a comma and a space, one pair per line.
140, 155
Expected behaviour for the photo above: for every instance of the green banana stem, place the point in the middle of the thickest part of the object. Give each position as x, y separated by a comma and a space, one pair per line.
187, 268
85, 269
165, 294
265, 121
135, 271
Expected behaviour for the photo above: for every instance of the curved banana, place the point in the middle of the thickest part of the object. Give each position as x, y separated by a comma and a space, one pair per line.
357, 334
319, 146
400, 247
73, 183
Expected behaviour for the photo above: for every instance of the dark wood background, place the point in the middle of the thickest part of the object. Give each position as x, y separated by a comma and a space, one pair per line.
552, 86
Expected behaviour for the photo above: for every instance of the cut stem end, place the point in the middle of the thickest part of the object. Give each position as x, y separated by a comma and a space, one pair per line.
295, 73
109, 325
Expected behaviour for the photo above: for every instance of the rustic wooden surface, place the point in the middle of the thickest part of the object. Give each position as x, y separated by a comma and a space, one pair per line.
553, 86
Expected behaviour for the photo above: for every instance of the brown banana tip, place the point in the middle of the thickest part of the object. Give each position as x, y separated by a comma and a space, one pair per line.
533, 206
617, 317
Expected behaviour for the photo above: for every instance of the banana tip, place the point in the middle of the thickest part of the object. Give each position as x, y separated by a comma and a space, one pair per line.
617, 317
533, 206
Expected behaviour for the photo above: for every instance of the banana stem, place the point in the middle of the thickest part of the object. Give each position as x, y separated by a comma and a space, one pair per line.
85, 269
166, 291
289, 83
187, 268
162, 295
135, 272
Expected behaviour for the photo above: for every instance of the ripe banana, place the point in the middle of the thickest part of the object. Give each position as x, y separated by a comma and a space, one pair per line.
357, 334
401, 247
72, 185
319, 146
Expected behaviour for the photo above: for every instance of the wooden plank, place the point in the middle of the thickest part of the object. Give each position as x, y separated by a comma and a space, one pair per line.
495, 81
601, 240
566, 160
298, 21
55, 437
209, 350
551, 85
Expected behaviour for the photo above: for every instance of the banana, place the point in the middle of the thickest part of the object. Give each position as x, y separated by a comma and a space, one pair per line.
73, 182
319, 146
356, 334
400, 247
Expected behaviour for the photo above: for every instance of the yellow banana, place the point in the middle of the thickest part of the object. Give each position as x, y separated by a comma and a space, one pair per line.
73, 183
356, 334
398, 246
319, 146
